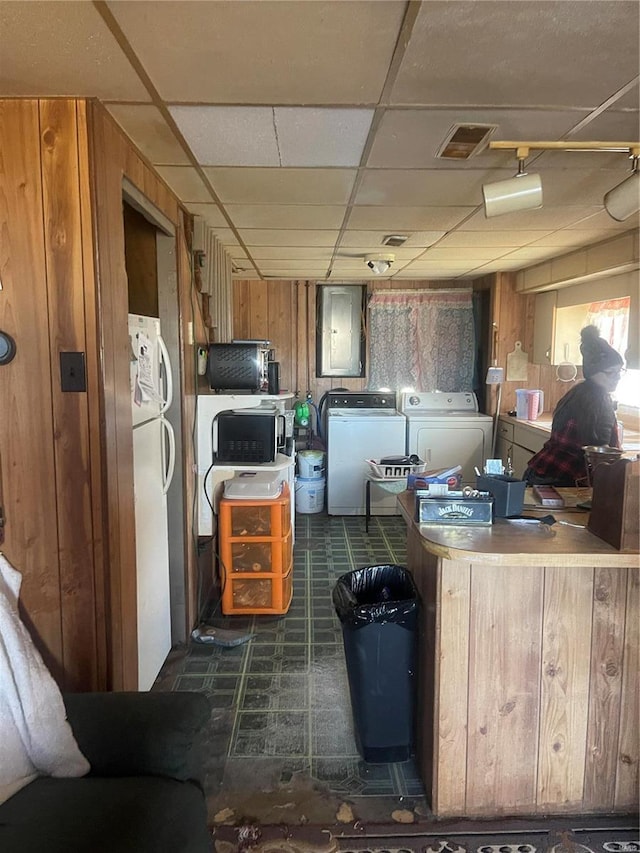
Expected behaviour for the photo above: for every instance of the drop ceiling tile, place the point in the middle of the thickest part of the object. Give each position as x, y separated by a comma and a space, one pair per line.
417, 239
321, 137
285, 215
410, 138
543, 219
211, 214
264, 52
282, 186
527, 253
548, 49
425, 187
602, 221
229, 136
421, 264
148, 130
301, 253
568, 239
342, 263
292, 266
572, 187
288, 237
394, 219
62, 49
185, 182
470, 239
472, 254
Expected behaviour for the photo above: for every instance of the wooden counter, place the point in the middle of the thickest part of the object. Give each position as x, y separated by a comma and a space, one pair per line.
528, 698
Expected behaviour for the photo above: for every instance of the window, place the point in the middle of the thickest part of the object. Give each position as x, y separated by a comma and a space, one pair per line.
611, 316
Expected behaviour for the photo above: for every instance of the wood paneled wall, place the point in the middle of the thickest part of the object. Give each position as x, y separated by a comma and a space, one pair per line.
67, 457
513, 314
284, 312
49, 440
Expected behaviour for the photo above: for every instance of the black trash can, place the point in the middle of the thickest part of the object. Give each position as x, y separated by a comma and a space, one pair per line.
378, 608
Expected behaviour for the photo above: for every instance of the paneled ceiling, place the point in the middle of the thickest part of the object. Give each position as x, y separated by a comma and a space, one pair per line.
305, 132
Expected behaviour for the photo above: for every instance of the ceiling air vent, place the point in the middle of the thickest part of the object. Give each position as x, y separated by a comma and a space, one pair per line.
395, 239
466, 140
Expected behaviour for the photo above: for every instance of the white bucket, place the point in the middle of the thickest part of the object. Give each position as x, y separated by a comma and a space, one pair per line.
309, 494
311, 464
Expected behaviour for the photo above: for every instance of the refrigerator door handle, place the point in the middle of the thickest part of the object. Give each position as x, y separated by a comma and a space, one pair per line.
164, 359
168, 465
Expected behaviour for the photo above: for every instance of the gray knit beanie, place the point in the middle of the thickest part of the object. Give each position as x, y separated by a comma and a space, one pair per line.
597, 355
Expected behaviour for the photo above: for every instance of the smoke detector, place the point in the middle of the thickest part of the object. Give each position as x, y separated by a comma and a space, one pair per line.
466, 140
379, 264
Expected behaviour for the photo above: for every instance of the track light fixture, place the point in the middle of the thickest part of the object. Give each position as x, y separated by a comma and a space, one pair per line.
624, 200
379, 264
524, 192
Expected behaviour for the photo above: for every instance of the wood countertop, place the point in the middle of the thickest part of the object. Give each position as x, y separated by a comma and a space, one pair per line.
631, 438
513, 543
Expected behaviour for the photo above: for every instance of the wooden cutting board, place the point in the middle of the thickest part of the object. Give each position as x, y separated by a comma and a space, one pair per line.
517, 362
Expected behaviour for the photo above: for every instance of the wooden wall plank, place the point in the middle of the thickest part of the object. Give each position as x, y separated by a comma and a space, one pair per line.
65, 286
628, 751
607, 648
94, 394
26, 432
281, 327
259, 310
107, 176
189, 385
565, 685
451, 689
425, 574
505, 628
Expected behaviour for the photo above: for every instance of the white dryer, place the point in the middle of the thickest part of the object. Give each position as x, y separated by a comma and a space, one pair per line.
446, 429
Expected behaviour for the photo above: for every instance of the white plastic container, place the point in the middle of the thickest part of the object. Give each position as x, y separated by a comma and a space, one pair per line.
309, 495
311, 464
253, 485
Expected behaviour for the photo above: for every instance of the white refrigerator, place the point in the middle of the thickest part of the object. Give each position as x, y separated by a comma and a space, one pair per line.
153, 465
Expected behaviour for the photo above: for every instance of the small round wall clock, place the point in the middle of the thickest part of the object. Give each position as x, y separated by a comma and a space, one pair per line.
7, 348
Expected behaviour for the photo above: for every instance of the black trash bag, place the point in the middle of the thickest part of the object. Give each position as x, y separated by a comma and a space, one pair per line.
378, 608
376, 594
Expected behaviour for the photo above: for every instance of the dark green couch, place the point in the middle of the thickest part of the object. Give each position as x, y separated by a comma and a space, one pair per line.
143, 793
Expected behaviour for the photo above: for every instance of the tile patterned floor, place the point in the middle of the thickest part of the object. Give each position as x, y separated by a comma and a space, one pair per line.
282, 700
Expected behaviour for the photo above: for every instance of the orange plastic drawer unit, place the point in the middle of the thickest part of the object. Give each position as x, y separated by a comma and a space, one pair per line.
256, 555
251, 594
241, 518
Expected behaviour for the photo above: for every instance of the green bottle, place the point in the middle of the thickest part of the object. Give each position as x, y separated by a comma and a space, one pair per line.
301, 413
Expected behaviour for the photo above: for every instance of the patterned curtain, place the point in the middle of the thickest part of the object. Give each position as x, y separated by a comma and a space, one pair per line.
612, 319
422, 339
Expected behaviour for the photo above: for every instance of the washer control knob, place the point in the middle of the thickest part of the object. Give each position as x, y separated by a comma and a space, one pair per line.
414, 401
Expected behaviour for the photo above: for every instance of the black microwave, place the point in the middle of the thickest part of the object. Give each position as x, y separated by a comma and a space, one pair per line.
247, 436
238, 367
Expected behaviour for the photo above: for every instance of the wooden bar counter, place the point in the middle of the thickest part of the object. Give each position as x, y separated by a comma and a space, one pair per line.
528, 697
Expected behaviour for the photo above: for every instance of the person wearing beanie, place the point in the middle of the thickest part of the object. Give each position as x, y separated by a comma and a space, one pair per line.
584, 416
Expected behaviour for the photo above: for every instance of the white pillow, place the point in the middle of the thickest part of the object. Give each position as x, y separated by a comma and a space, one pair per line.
35, 738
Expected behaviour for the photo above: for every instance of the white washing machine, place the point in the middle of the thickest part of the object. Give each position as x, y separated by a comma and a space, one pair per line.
360, 426
446, 429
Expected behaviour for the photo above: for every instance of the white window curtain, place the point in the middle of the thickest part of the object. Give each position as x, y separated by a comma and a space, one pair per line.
612, 320
218, 285
422, 339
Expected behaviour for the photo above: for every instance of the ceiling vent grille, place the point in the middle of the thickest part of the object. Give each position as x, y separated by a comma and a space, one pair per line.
466, 140
395, 239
